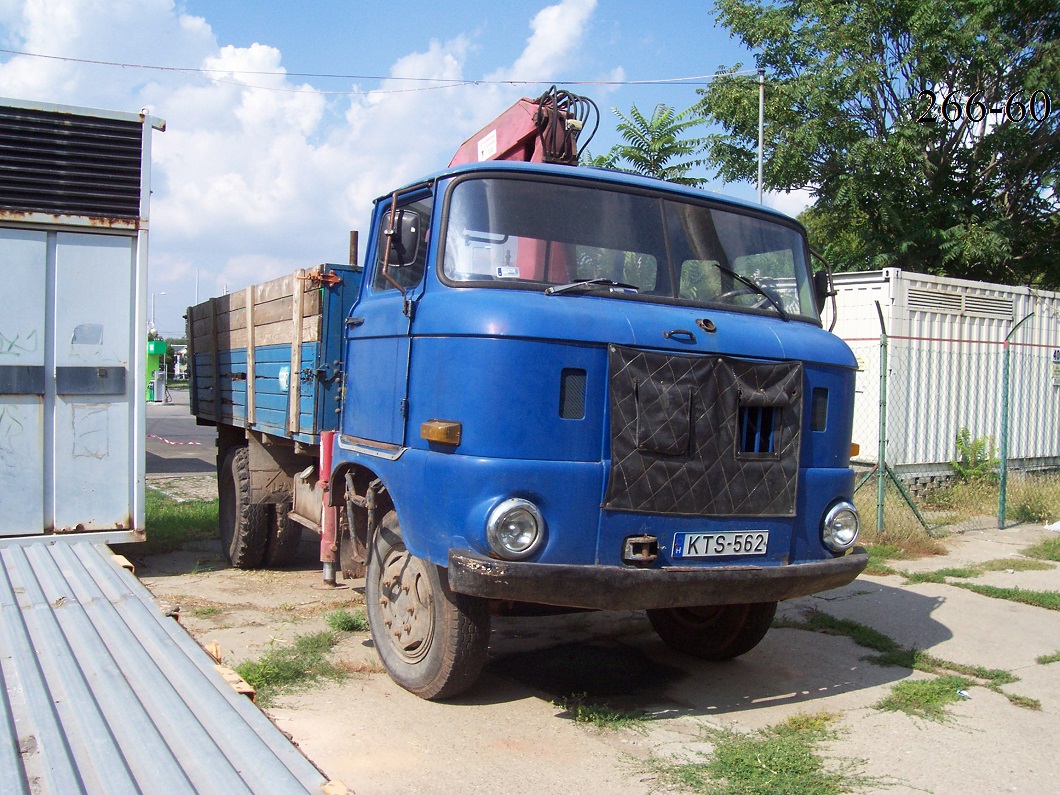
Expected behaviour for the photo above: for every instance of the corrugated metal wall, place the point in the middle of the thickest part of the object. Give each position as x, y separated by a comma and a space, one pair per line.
945, 362
103, 694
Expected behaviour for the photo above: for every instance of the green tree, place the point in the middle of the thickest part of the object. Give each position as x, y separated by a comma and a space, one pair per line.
854, 113
656, 146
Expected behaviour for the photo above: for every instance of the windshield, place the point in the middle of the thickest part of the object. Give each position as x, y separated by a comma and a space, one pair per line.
503, 231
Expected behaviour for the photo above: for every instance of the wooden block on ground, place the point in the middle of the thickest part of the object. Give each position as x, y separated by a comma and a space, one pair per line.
238, 683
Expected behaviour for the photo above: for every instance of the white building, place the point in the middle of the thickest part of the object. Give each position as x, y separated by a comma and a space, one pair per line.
947, 344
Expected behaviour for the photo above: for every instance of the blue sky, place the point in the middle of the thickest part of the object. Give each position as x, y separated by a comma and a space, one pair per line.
267, 163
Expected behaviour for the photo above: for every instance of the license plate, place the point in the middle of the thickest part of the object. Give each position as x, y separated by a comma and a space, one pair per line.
711, 545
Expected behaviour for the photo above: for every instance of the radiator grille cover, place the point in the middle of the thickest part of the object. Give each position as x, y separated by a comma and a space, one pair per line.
679, 434
69, 164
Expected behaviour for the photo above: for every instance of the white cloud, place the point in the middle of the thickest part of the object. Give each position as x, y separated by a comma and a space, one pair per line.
121, 31
789, 202
257, 174
557, 30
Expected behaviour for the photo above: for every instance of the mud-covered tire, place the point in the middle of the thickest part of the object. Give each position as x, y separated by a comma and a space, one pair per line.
284, 537
714, 632
244, 525
432, 641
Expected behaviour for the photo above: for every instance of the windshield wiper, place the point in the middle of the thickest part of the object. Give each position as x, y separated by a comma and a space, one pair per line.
754, 287
590, 284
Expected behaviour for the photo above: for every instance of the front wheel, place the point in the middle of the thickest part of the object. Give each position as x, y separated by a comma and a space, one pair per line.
432, 641
714, 632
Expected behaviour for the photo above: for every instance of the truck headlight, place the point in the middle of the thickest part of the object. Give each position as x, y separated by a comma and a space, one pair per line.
515, 529
840, 527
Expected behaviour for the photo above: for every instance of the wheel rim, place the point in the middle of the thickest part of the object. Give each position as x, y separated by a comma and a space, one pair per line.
700, 617
406, 604
723, 622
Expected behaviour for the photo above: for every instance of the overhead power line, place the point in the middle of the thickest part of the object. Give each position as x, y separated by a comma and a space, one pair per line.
425, 83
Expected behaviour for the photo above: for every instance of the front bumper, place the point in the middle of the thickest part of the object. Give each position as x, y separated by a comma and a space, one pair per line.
629, 588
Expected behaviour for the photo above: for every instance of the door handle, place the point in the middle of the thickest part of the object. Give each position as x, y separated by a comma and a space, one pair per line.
680, 332
354, 322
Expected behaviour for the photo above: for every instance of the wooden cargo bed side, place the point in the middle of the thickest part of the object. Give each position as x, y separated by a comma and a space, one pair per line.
226, 336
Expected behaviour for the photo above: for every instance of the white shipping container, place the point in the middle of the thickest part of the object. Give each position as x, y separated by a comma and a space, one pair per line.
947, 344
73, 255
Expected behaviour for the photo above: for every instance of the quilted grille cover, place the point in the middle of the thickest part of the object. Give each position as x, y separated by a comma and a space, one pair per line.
676, 442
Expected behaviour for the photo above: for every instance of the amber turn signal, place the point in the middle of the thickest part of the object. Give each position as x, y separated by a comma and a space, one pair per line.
854, 449
442, 431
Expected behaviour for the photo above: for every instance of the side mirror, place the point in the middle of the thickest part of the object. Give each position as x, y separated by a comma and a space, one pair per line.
822, 288
405, 242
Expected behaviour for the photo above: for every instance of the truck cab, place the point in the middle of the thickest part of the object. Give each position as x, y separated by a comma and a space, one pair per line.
578, 388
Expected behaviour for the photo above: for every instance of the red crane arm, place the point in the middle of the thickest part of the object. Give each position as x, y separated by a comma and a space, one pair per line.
542, 130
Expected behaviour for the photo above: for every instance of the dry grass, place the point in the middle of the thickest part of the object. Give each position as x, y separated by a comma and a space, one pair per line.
353, 667
957, 507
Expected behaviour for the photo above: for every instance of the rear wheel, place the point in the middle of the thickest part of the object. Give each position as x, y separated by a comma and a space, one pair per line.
714, 632
432, 641
244, 525
284, 537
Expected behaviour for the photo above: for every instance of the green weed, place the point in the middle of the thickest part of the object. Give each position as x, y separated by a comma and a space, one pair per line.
1015, 564
1050, 600
879, 554
925, 698
286, 668
1048, 549
780, 760
1024, 701
343, 620
827, 624
208, 611
940, 575
1046, 659
581, 709
970, 572
891, 653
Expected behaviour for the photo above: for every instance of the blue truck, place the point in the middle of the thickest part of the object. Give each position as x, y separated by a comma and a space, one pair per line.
547, 387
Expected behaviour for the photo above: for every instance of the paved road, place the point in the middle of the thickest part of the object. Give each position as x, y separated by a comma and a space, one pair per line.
175, 444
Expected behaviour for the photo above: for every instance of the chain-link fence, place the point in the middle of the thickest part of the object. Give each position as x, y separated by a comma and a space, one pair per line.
956, 434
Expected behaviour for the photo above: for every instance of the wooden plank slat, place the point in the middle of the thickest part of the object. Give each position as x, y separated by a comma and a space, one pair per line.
213, 359
265, 313
249, 313
193, 387
295, 389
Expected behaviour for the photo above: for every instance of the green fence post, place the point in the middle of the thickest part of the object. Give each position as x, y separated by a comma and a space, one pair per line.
881, 461
1003, 452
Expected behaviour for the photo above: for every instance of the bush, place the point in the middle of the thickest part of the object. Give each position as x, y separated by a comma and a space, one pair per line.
975, 457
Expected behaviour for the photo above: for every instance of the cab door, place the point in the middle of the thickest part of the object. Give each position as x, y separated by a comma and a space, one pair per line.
379, 326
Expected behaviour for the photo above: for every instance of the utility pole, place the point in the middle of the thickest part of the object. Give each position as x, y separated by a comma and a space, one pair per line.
761, 125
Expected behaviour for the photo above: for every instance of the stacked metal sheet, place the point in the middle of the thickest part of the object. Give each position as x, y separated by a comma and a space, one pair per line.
104, 694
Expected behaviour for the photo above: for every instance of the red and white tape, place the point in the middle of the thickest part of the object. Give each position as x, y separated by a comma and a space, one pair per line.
169, 441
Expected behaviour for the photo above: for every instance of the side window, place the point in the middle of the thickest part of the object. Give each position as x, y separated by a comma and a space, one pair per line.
408, 246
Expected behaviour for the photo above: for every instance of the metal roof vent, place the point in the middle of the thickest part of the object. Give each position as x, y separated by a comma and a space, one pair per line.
69, 164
